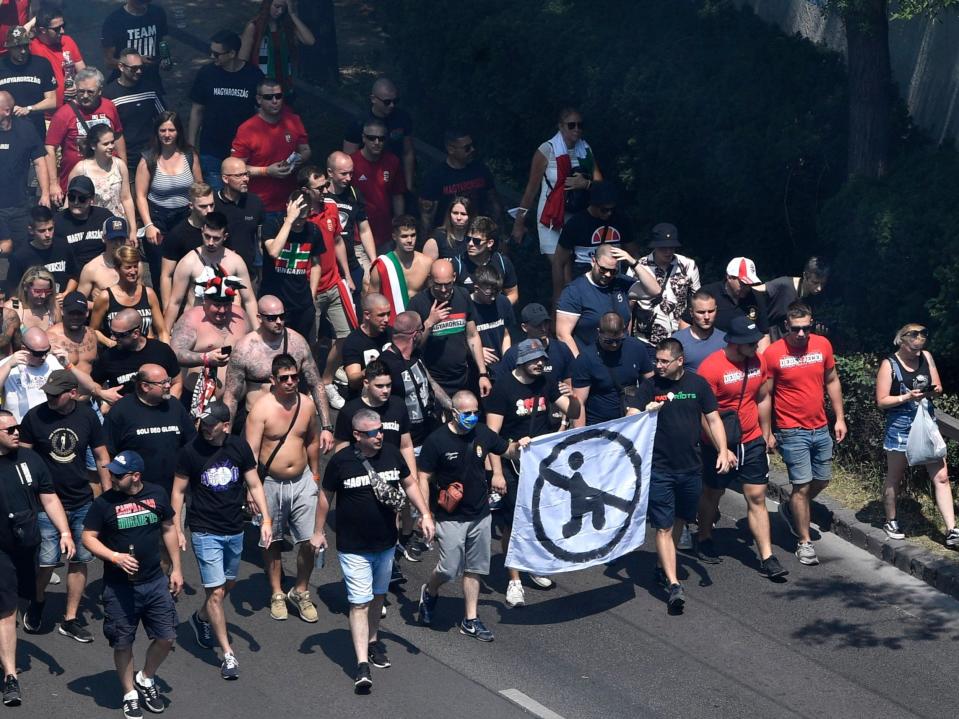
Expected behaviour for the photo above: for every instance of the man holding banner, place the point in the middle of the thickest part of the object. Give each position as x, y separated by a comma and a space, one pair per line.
682, 400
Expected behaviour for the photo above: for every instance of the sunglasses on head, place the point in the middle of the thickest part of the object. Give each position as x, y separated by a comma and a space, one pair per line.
274, 318
574, 125
272, 96
371, 433
12, 429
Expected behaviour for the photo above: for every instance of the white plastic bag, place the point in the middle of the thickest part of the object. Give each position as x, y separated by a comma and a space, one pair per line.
925, 443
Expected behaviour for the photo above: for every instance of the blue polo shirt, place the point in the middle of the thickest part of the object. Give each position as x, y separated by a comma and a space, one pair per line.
595, 369
584, 298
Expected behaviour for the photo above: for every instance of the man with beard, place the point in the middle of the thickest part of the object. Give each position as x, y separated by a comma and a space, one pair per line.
248, 372
81, 222
401, 274
364, 344
378, 176
243, 211
205, 263
535, 323
71, 340
203, 339
118, 366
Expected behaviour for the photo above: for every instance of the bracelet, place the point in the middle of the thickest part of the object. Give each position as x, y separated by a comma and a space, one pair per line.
266, 521
148, 226
114, 557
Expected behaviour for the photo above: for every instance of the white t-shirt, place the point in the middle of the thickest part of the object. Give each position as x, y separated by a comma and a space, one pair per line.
23, 389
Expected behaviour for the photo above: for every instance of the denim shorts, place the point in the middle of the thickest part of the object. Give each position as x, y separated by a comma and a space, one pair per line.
366, 574
898, 423
218, 556
50, 538
807, 454
125, 605
671, 496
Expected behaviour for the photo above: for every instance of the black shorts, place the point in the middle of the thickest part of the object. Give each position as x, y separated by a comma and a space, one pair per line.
126, 605
18, 578
753, 465
508, 505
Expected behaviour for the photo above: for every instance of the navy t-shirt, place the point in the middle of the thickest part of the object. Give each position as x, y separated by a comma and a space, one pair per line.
493, 321
590, 301
593, 368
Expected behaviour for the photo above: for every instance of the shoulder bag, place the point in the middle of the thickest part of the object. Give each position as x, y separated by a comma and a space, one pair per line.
24, 526
264, 469
387, 494
451, 495
730, 417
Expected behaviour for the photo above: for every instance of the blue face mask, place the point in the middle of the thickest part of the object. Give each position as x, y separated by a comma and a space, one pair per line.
467, 420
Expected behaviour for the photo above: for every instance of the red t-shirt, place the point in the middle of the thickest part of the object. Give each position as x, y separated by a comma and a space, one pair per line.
328, 222
799, 381
262, 144
55, 57
66, 132
379, 183
12, 12
726, 381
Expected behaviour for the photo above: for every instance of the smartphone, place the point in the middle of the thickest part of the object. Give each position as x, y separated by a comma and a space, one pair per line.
226, 350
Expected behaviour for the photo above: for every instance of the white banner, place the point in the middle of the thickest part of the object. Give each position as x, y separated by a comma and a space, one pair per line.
582, 496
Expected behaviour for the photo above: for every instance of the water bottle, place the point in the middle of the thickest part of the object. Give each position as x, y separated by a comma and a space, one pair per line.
131, 577
319, 558
166, 57
69, 72
257, 519
495, 501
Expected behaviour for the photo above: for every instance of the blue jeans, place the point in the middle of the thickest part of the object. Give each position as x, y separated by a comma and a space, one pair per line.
212, 175
807, 454
50, 538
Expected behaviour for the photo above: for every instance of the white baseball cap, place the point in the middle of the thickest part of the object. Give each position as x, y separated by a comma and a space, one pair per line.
744, 270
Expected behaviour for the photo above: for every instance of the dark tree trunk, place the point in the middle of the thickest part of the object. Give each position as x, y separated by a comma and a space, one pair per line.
870, 87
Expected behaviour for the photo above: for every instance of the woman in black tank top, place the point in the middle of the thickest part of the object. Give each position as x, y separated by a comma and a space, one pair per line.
905, 380
129, 292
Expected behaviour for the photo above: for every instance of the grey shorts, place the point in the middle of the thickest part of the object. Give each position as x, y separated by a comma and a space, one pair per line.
464, 547
292, 506
329, 304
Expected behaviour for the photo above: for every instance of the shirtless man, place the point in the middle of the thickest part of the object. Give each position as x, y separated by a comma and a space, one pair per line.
101, 272
184, 237
198, 266
402, 266
281, 430
248, 371
72, 341
9, 332
203, 338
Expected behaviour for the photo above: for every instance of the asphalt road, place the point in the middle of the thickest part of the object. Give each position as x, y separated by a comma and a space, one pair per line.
852, 637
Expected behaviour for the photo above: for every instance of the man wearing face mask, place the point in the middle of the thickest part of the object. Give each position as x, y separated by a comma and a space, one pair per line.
449, 331
456, 453
606, 375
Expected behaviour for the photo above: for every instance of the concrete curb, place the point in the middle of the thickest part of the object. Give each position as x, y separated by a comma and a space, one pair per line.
831, 516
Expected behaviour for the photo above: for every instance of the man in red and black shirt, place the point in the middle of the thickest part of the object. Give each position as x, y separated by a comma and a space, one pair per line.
737, 376
801, 366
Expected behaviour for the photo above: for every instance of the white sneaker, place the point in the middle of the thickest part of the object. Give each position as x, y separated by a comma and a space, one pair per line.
685, 539
55, 578
541, 581
333, 394
515, 594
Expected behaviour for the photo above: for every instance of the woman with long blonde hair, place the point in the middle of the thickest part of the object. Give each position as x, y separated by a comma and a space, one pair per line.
36, 301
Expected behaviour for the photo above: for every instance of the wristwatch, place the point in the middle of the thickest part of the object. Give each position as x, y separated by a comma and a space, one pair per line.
484, 374
327, 427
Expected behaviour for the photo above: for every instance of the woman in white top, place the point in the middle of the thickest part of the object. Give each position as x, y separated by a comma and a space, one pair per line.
111, 183
568, 156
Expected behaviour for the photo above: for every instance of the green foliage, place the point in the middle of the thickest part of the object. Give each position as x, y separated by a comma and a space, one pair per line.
707, 117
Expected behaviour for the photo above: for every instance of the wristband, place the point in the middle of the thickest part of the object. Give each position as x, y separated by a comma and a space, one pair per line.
484, 374
148, 226
327, 427
114, 557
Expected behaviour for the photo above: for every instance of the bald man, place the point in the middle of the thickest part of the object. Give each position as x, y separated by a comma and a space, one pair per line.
399, 125
449, 332
353, 221
23, 147
364, 344
244, 213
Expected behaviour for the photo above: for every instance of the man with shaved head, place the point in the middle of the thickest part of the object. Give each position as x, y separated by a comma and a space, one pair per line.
353, 221
449, 332
384, 101
364, 344
244, 213
249, 370
23, 147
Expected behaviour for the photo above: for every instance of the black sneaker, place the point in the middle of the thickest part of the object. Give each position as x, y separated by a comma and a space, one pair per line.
363, 681
33, 617
426, 607
203, 631
677, 598
151, 695
412, 551
706, 552
476, 629
75, 630
660, 577
786, 512
378, 656
131, 708
397, 576
772, 568
11, 691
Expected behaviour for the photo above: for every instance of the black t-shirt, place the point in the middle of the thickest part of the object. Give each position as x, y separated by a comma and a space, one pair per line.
181, 240
399, 125
137, 107
393, 414
493, 321
412, 385
446, 353
583, 233
84, 237
452, 457
143, 33
678, 430
122, 520
19, 147
115, 366
27, 83
156, 433
217, 488
752, 306
228, 100
359, 348
443, 183
288, 276
244, 218
352, 210
465, 267
363, 524
62, 442
57, 259
21, 472
515, 402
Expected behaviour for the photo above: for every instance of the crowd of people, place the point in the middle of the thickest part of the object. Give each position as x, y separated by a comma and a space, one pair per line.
206, 325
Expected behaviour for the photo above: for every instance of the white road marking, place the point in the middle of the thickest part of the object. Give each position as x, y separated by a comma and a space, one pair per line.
529, 704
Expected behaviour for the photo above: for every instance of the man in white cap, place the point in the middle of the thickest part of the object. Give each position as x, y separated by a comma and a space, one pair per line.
736, 297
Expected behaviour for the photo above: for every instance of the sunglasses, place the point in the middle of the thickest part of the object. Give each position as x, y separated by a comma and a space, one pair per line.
913, 334
12, 429
58, 30
796, 329
371, 433
39, 354
125, 334
77, 197
614, 341
604, 270
272, 96
574, 125
475, 240
606, 210
387, 100
288, 377
374, 138
245, 173
274, 318
135, 68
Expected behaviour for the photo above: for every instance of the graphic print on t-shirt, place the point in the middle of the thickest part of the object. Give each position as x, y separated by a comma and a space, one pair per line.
63, 445
389, 475
453, 324
294, 259
809, 358
220, 476
134, 514
679, 396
